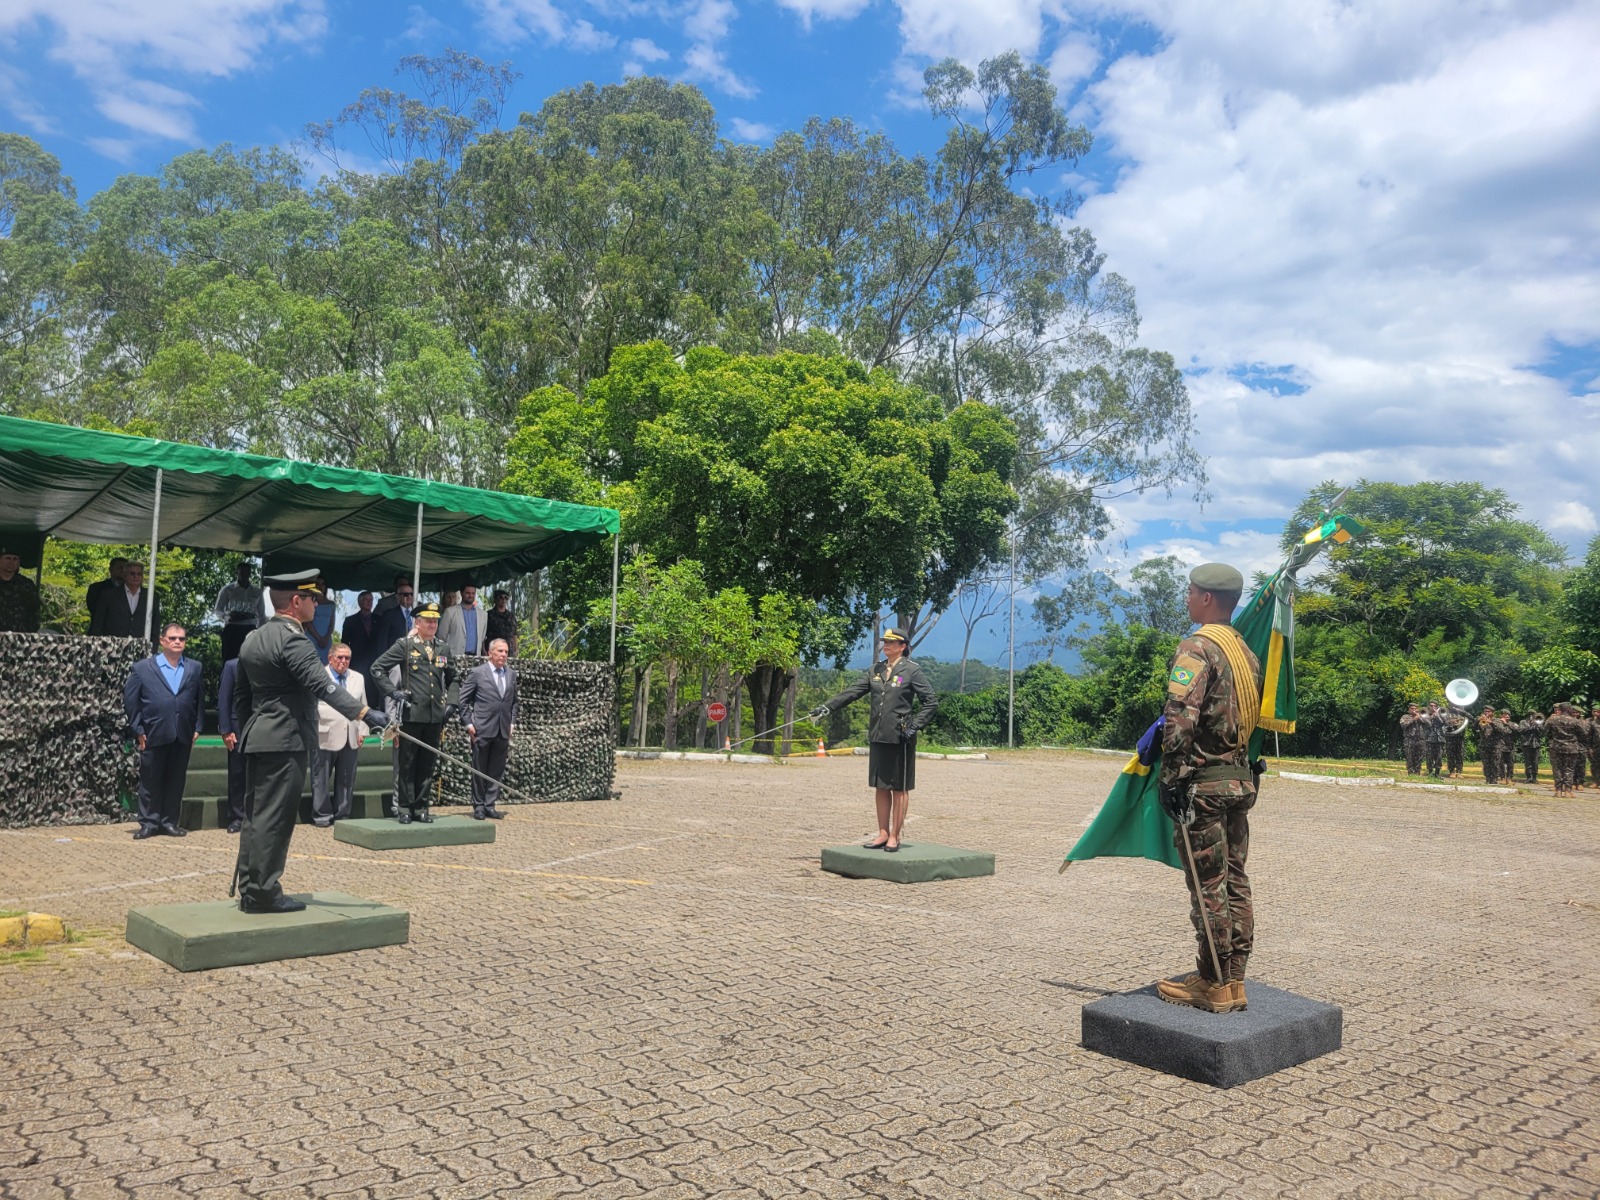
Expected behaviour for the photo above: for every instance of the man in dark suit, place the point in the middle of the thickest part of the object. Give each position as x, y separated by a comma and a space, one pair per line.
120, 611
489, 711
394, 617
360, 633
112, 581
230, 738
275, 698
164, 699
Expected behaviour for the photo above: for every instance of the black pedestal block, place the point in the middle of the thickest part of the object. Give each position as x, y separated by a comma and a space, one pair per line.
1278, 1030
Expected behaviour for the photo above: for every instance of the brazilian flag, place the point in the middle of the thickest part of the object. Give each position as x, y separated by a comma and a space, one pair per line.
1131, 823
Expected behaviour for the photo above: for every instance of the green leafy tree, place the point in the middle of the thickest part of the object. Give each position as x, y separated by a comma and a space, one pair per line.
41, 231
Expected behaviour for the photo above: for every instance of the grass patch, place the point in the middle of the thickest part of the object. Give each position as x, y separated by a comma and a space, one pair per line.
12, 912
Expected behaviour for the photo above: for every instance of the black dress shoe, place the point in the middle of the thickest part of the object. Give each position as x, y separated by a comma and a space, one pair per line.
279, 904
235, 826
424, 816
478, 814
494, 814
143, 832
174, 831
403, 817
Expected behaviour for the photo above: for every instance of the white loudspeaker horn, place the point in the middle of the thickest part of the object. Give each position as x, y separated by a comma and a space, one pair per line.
1462, 693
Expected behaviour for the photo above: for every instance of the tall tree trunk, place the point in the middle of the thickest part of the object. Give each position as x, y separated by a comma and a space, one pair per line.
789, 691
669, 720
533, 609
735, 703
766, 692
700, 721
966, 645
633, 712
644, 706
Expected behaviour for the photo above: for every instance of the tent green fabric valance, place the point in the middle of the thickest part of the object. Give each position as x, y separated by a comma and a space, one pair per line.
358, 527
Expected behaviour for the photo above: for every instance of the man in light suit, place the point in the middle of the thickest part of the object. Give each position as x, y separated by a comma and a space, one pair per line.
338, 740
165, 701
464, 626
488, 702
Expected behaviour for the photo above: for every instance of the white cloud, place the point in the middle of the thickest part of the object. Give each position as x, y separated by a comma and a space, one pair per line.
514, 21
705, 24
752, 131
970, 30
645, 50
1396, 202
115, 45
1572, 517
828, 10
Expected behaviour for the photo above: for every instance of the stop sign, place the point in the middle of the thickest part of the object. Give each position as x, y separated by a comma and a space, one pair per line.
716, 711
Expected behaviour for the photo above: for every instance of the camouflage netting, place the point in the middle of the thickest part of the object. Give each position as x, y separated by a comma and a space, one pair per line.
65, 755
565, 744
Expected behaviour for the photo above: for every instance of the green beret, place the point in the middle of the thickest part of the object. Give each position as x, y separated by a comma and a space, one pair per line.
1216, 577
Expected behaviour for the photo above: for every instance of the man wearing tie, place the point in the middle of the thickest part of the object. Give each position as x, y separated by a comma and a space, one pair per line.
489, 711
338, 741
164, 699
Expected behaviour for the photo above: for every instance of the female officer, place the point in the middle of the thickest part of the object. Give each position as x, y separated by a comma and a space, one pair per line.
892, 732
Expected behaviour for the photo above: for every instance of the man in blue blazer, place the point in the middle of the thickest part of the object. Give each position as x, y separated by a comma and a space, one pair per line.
165, 702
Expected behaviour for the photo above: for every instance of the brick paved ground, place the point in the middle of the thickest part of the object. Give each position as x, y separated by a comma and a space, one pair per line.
664, 996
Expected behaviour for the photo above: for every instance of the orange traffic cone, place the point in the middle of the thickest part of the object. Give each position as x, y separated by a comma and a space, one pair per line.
727, 742
822, 750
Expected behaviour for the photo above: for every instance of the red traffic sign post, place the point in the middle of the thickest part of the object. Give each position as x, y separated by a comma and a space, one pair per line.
716, 712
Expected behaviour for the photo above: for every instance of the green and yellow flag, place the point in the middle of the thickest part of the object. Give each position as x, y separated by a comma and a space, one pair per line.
1131, 823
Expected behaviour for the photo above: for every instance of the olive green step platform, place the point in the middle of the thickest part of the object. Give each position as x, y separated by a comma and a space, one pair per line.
211, 812
198, 937
206, 781
388, 834
914, 862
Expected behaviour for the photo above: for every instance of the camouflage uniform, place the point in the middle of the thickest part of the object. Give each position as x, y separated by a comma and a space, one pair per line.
1433, 739
1584, 728
1508, 749
1566, 733
1202, 747
19, 605
1530, 733
1594, 745
1455, 744
1411, 741
1489, 749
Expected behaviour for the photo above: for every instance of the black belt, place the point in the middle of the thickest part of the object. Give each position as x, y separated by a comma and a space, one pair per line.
1222, 771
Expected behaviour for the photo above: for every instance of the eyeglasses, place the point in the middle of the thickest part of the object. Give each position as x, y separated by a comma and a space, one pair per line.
175, 638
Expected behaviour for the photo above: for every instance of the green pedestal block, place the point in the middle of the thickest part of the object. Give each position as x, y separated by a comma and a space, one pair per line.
211, 812
198, 937
386, 834
914, 862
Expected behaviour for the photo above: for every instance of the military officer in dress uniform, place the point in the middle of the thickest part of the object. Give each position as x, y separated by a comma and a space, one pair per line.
275, 694
891, 732
426, 675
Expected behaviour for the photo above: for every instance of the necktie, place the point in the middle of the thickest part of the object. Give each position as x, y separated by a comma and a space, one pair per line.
500, 679
340, 678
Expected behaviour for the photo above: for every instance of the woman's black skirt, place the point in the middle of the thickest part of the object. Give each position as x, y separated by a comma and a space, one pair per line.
892, 765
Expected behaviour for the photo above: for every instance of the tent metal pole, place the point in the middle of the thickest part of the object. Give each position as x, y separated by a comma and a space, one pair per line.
1011, 650
150, 576
616, 559
416, 561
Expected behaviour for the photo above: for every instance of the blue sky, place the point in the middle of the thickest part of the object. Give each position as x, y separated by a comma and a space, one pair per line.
1368, 230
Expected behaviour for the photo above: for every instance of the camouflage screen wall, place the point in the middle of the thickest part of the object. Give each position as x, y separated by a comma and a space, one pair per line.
566, 741
65, 755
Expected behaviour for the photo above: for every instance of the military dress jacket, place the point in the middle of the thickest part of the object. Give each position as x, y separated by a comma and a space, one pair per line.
427, 671
1205, 729
275, 692
892, 690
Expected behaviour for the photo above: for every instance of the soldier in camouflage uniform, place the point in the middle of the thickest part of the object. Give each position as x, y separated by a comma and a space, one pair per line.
1433, 737
1594, 744
1488, 752
1530, 735
1208, 788
1411, 739
1455, 741
1567, 743
1508, 746
19, 597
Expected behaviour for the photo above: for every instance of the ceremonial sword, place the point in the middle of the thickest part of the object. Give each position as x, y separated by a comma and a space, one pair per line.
392, 731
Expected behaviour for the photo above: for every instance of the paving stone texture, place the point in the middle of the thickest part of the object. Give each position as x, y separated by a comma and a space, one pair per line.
665, 996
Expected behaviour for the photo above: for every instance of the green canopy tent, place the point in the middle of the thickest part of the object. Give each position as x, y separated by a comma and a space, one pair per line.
360, 528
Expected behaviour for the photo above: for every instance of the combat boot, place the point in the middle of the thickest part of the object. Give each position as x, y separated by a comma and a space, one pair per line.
1196, 991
